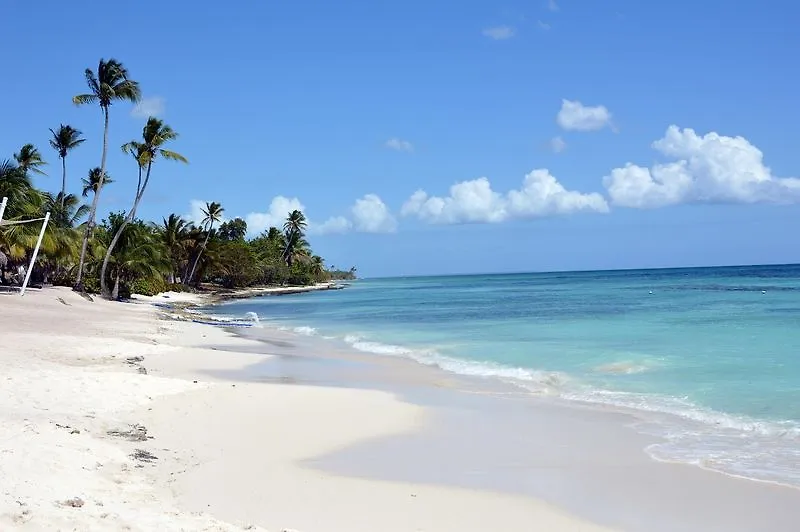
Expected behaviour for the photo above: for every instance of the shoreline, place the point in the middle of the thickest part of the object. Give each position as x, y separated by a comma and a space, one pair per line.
679, 430
224, 294
113, 421
603, 444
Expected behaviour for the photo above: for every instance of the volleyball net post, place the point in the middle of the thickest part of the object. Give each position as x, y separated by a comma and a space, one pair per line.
35, 253
45, 220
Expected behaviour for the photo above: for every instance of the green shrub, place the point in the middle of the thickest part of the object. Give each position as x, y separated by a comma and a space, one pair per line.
147, 287
178, 287
299, 276
91, 285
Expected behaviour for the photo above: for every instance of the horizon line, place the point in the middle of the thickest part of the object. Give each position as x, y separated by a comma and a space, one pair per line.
545, 272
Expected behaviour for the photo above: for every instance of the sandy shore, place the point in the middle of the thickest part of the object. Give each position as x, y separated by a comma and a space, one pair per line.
110, 420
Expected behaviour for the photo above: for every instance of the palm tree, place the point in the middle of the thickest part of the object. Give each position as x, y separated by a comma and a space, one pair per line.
110, 84
174, 236
15, 184
213, 213
317, 266
64, 140
155, 135
65, 209
139, 253
29, 159
24, 201
62, 239
296, 248
295, 222
92, 182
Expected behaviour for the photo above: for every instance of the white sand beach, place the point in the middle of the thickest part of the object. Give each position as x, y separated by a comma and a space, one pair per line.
91, 440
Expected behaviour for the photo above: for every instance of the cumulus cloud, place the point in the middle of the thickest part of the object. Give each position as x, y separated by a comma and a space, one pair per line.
475, 202
275, 216
335, 225
499, 33
367, 215
148, 107
557, 144
574, 116
399, 145
711, 168
371, 215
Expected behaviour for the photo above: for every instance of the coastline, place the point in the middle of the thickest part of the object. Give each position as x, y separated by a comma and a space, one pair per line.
223, 294
113, 420
606, 448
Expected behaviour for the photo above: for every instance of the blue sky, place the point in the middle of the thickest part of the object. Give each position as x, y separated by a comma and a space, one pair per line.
351, 108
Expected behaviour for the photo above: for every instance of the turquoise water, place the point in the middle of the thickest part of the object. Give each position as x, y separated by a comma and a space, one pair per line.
710, 357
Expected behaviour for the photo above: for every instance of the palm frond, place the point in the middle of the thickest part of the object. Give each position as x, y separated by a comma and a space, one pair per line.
173, 156
83, 99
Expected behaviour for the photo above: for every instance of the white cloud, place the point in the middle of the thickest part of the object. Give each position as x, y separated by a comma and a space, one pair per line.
552, 5
475, 202
499, 33
335, 225
705, 169
578, 117
195, 211
557, 144
543, 25
148, 107
370, 215
279, 209
399, 145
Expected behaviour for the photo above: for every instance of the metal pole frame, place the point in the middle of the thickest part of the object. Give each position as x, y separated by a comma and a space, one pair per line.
35, 253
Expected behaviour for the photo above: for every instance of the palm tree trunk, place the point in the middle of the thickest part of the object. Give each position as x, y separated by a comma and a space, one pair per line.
63, 181
128, 219
93, 211
197, 259
115, 293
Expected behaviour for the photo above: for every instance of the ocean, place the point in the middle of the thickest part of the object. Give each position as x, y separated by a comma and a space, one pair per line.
707, 358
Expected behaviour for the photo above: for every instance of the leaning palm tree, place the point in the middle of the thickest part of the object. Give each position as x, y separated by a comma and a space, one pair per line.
110, 84
154, 135
139, 254
296, 249
212, 213
65, 139
295, 222
29, 159
91, 183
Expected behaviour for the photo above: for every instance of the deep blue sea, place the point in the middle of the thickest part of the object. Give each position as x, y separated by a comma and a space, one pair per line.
710, 357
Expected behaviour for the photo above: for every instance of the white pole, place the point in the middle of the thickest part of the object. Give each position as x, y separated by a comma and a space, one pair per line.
3, 208
35, 252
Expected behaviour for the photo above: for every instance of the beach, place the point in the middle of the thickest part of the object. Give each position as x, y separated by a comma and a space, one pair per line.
114, 417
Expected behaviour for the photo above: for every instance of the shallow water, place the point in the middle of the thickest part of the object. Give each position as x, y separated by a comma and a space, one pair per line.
709, 356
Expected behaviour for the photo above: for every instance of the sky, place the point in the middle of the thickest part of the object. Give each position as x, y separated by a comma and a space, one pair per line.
441, 137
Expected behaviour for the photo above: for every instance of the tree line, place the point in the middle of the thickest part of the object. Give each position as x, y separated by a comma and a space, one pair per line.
123, 253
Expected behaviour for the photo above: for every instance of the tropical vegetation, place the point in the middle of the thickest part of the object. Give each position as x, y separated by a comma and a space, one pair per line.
124, 253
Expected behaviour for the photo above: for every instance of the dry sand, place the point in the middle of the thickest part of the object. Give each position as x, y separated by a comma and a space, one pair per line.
91, 442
